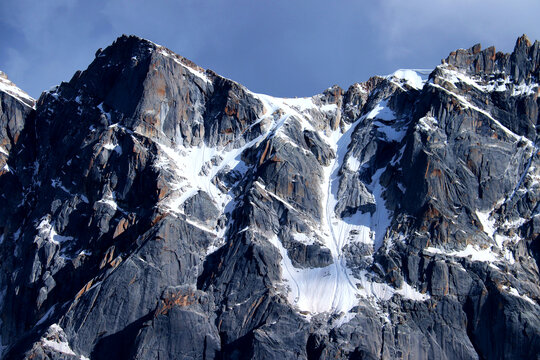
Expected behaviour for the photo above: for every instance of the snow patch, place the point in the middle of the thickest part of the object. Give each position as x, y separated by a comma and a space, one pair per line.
466, 104
525, 89
299, 104
487, 223
109, 198
471, 252
427, 124
381, 111
415, 78
201, 75
353, 164
316, 290
11, 89
408, 292
47, 232
113, 147
328, 108
514, 292
106, 113
303, 238
56, 340
56, 183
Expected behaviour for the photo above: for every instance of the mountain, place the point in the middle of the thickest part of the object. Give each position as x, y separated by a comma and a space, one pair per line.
154, 209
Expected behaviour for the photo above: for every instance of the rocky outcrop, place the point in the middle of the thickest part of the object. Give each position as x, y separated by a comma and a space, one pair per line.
154, 209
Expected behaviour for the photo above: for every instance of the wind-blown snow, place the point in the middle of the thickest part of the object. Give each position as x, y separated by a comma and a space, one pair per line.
466, 104
415, 78
201, 75
455, 77
10, 88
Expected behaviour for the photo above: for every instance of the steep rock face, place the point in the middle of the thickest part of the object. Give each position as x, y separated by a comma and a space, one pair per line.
158, 210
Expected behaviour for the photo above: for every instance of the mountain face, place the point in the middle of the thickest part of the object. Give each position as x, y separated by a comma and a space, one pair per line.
156, 210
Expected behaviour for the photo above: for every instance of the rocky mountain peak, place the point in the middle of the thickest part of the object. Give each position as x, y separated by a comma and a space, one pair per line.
522, 64
154, 209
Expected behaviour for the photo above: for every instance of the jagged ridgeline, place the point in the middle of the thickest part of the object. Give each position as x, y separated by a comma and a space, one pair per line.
152, 209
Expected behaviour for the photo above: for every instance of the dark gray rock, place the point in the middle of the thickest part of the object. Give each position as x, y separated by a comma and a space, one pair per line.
201, 207
99, 261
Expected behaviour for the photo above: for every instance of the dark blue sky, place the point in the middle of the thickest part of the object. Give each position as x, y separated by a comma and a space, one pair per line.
282, 48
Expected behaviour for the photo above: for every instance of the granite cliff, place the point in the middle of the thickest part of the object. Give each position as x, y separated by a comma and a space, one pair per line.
152, 209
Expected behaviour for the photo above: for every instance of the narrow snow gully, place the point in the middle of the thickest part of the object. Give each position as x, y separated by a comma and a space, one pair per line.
334, 289
344, 291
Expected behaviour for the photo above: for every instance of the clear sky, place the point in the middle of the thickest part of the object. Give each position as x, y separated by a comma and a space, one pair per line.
279, 47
